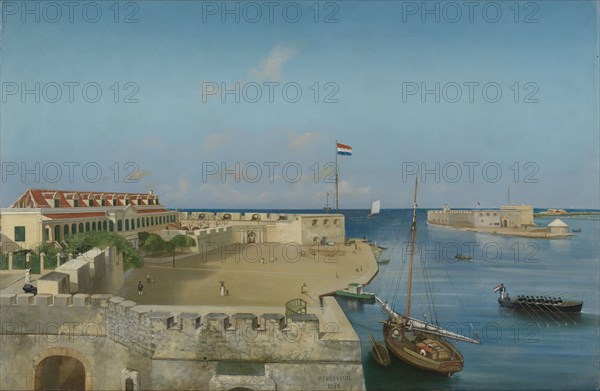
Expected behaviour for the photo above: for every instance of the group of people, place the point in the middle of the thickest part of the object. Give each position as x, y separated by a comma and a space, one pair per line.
539, 299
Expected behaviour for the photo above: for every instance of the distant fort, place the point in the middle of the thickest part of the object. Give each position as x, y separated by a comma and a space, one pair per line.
507, 217
515, 220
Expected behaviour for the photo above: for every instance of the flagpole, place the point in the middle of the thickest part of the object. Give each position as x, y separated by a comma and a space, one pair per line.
336, 177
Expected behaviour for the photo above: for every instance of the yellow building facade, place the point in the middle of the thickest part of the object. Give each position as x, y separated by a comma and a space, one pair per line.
50, 216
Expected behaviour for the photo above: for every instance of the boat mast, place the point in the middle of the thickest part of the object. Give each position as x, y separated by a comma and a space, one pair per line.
413, 228
336, 177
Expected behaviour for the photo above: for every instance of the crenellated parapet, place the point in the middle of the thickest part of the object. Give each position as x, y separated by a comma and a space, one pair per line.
170, 334
219, 336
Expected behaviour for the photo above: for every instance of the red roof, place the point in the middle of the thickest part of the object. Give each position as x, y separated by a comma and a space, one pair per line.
44, 198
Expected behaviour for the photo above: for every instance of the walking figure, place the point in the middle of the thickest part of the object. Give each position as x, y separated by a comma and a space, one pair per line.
27, 275
148, 278
222, 289
304, 289
140, 288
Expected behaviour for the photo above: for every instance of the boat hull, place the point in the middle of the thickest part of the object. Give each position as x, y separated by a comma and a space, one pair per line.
369, 297
562, 307
380, 354
405, 351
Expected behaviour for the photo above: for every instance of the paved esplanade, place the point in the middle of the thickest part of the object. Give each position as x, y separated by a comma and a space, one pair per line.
254, 275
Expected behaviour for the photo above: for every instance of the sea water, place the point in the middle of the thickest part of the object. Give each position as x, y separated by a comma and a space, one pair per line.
524, 351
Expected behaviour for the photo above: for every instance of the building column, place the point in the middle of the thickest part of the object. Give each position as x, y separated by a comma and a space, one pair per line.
42, 263
10, 260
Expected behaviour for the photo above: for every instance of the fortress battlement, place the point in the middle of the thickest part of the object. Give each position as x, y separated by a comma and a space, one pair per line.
181, 334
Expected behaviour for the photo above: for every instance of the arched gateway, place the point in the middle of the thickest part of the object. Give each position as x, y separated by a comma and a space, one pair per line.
61, 369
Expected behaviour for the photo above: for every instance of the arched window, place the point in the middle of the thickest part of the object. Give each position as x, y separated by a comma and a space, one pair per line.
126, 225
111, 226
138, 223
66, 231
57, 233
93, 225
73, 228
104, 225
119, 225
87, 226
314, 222
80, 227
132, 223
147, 221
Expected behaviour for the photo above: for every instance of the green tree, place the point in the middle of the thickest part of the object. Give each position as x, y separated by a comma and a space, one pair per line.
155, 244
83, 242
182, 242
51, 254
142, 236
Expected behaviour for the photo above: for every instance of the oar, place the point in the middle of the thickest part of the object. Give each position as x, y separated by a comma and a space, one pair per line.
534, 312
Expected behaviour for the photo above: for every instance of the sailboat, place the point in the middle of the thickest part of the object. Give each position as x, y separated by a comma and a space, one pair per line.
375, 208
416, 342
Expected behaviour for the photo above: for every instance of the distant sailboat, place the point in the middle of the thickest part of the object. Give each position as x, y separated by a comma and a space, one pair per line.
375, 208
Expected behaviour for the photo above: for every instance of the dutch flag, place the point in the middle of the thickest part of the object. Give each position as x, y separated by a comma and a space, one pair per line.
344, 149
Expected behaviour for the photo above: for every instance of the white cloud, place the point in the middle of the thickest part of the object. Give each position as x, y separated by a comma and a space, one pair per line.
301, 140
216, 140
178, 192
349, 189
140, 174
271, 67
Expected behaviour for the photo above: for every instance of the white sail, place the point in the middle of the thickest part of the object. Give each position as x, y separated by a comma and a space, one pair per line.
415, 324
375, 207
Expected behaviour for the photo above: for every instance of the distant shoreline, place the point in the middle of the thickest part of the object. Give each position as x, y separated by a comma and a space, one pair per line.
566, 214
536, 233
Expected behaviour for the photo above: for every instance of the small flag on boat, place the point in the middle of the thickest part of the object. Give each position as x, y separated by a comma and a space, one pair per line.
497, 288
344, 149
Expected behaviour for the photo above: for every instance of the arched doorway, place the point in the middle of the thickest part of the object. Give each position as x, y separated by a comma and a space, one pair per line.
251, 238
60, 373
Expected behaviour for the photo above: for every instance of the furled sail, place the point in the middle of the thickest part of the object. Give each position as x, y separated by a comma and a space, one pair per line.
415, 324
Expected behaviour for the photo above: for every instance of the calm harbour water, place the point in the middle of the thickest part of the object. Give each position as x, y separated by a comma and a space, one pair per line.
518, 351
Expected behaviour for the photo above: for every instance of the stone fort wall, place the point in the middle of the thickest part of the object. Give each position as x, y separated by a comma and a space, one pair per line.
116, 340
225, 228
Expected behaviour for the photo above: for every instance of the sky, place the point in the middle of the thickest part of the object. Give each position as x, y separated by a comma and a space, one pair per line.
239, 104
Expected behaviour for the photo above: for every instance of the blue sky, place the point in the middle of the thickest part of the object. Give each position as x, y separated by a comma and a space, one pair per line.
542, 132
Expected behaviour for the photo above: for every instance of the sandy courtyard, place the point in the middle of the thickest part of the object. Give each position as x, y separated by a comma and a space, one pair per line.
266, 274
